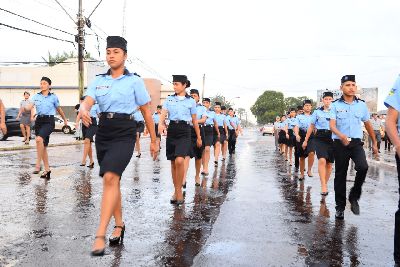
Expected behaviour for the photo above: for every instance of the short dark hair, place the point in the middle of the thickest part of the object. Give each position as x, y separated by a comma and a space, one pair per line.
26, 93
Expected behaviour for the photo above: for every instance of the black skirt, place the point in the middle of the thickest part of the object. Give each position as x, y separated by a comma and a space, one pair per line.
89, 132
196, 152
115, 142
208, 135
178, 141
282, 137
44, 126
140, 127
323, 145
291, 142
303, 153
222, 136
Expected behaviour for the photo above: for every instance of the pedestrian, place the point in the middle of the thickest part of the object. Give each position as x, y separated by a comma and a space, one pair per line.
323, 143
78, 132
156, 119
3, 127
392, 127
300, 111
377, 126
118, 93
300, 130
25, 118
232, 123
138, 117
181, 109
291, 139
282, 141
224, 146
46, 104
221, 135
347, 114
196, 152
209, 127
88, 134
276, 132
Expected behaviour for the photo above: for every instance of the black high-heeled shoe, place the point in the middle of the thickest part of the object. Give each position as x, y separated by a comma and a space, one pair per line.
99, 252
46, 175
91, 165
82, 164
139, 155
37, 171
184, 186
114, 240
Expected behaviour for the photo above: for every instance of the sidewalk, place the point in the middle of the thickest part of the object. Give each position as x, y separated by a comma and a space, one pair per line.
56, 139
386, 158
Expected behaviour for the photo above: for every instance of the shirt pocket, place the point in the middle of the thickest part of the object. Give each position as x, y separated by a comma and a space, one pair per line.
342, 115
102, 95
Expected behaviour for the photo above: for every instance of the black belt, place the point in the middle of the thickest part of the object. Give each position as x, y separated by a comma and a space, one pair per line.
113, 115
209, 125
323, 131
45, 116
351, 139
179, 122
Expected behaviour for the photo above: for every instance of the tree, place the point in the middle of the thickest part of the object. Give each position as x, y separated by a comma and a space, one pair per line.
268, 105
54, 60
293, 102
220, 98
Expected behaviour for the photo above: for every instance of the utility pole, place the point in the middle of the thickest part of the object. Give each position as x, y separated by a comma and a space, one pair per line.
81, 46
204, 81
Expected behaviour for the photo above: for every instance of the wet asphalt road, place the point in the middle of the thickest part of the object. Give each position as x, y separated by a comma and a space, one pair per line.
250, 211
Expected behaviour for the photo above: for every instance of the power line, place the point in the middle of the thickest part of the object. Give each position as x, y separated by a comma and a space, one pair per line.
35, 33
35, 21
65, 11
94, 9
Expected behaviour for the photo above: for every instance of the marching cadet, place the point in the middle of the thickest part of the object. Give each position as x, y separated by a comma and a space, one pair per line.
300, 111
224, 146
347, 114
291, 139
392, 127
138, 117
376, 126
322, 141
276, 131
88, 134
196, 152
3, 127
232, 123
118, 93
46, 105
282, 135
300, 130
222, 134
156, 119
181, 109
209, 127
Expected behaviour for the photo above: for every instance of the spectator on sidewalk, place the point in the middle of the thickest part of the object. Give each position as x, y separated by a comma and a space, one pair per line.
377, 127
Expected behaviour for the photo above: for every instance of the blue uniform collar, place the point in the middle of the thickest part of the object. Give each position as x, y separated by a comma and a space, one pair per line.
126, 72
356, 99
43, 94
187, 95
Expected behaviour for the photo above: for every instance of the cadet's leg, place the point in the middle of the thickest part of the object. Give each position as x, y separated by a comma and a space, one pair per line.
206, 158
86, 145
302, 166
118, 215
90, 153
186, 166
342, 158
310, 163
361, 166
322, 173
46, 159
397, 221
296, 156
290, 155
39, 151
217, 149
198, 166
138, 143
180, 172
23, 131
28, 132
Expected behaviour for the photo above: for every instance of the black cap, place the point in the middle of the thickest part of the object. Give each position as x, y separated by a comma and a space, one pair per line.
194, 91
348, 78
116, 42
82, 98
325, 94
159, 107
223, 108
299, 107
188, 84
206, 99
230, 109
179, 78
307, 101
217, 104
46, 79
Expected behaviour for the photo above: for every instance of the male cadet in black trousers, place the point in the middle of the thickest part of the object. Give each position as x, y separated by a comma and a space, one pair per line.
300, 111
347, 114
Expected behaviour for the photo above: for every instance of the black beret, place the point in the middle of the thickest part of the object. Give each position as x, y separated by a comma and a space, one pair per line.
230, 109
116, 42
159, 107
217, 104
179, 78
327, 94
194, 91
348, 78
46, 79
307, 101
206, 99
188, 84
223, 108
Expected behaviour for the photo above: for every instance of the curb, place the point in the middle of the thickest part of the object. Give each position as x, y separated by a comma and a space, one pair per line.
33, 147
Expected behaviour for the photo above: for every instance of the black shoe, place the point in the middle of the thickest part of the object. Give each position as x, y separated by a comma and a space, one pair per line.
180, 202
172, 201
216, 163
339, 215
301, 178
99, 252
324, 194
184, 186
139, 155
91, 165
296, 169
355, 208
197, 184
46, 175
114, 240
82, 164
37, 171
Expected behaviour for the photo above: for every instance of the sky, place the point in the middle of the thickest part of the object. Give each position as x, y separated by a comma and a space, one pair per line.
242, 47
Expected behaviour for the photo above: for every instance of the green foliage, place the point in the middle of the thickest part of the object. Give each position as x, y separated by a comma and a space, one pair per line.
268, 105
222, 99
54, 60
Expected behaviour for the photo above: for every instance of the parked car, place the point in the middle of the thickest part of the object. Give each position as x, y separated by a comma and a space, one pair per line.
70, 128
12, 124
267, 129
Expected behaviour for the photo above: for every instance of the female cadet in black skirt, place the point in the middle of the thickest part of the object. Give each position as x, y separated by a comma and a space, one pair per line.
322, 141
46, 105
181, 109
118, 93
156, 119
222, 135
291, 139
209, 127
282, 141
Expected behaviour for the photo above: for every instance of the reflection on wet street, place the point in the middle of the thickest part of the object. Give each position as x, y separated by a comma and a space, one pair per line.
250, 211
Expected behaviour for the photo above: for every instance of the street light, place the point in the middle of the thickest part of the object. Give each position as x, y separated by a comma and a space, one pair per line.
233, 98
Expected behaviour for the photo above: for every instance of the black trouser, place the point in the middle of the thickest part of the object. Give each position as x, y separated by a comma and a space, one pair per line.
343, 154
387, 142
232, 141
397, 221
296, 157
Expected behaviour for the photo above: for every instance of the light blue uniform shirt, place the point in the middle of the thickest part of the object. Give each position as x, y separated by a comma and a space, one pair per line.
321, 118
156, 118
304, 121
120, 95
180, 109
210, 117
46, 105
233, 120
201, 111
349, 117
291, 123
220, 119
283, 124
393, 99
277, 125
138, 116
94, 111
